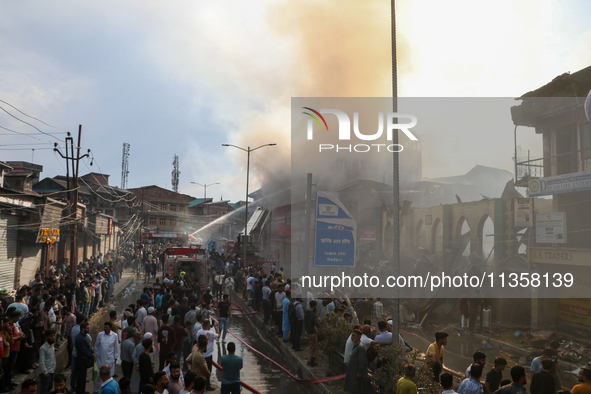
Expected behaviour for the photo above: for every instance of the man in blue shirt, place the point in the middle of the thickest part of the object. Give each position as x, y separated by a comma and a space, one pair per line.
231, 366
286, 327
472, 384
266, 302
146, 296
109, 385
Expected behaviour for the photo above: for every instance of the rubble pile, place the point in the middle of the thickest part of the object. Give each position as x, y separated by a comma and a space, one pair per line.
573, 351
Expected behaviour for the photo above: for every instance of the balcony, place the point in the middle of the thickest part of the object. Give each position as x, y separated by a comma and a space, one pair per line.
564, 163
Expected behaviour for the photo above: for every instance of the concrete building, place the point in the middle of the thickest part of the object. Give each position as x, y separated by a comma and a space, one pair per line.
165, 214
555, 111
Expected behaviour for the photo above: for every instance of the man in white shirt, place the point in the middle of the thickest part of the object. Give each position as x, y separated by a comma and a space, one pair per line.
107, 351
365, 338
349, 347
278, 309
212, 336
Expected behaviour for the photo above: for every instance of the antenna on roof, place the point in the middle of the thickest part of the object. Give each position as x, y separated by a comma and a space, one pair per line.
125, 165
175, 174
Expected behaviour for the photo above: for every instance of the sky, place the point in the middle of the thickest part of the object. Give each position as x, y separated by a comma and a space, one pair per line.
185, 77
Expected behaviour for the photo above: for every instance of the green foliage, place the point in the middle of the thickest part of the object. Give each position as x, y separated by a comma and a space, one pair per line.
391, 365
333, 333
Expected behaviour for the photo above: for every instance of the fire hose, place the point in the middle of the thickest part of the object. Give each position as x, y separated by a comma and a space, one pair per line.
295, 377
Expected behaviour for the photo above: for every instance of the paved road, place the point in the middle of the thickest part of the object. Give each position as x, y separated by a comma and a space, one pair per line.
257, 372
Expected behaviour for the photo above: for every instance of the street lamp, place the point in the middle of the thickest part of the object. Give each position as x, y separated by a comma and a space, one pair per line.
248, 150
205, 187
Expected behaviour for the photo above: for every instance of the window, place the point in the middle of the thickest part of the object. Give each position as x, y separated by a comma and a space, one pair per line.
182, 209
288, 219
173, 208
172, 223
163, 207
181, 223
163, 222
152, 221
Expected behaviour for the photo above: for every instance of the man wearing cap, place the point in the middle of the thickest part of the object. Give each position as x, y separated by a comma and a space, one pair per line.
151, 325
127, 349
135, 376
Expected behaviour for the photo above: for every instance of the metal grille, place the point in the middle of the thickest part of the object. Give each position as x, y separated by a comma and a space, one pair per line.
8, 233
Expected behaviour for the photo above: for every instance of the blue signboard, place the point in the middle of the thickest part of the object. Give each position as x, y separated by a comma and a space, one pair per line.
334, 239
568, 183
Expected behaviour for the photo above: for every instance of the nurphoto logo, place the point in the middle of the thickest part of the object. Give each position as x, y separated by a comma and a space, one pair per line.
390, 119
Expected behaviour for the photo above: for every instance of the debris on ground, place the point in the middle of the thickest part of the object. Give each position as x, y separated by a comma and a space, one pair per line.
574, 351
539, 338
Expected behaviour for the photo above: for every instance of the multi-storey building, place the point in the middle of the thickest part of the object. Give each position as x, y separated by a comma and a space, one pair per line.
165, 214
556, 112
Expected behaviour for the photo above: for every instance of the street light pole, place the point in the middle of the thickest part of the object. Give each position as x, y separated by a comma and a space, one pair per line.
205, 188
246, 207
247, 178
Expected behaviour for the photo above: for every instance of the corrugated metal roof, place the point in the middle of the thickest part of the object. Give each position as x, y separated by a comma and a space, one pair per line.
199, 201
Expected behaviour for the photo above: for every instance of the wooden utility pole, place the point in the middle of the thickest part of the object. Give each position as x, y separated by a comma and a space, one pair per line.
396, 196
73, 223
73, 194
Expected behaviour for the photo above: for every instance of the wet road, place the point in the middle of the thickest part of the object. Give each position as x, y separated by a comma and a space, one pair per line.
267, 378
258, 372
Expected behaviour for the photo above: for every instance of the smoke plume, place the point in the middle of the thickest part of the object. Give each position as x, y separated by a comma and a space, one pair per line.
339, 49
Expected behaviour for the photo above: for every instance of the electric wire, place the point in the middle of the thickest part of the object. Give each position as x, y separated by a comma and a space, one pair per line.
32, 117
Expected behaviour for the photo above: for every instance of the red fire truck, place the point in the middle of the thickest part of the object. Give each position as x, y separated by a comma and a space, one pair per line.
190, 261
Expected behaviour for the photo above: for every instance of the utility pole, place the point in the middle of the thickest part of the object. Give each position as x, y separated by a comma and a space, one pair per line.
307, 221
73, 194
244, 240
139, 239
396, 195
205, 188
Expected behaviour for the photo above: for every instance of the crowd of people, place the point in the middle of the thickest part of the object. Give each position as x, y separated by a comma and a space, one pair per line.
176, 323
174, 320
544, 374
43, 313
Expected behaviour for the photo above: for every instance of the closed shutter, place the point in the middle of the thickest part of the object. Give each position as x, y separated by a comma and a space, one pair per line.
31, 255
8, 232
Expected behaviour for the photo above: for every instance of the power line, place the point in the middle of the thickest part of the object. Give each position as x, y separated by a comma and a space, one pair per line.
34, 143
21, 133
24, 148
30, 134
27, 123
32, 117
